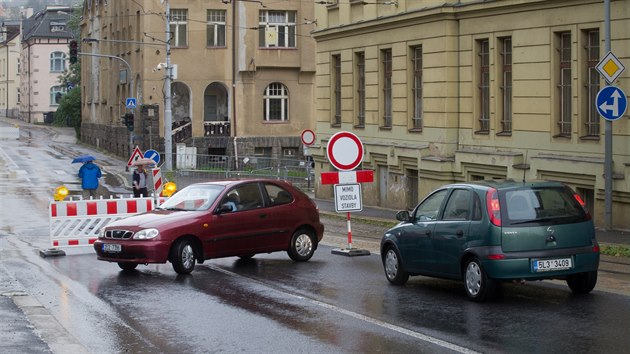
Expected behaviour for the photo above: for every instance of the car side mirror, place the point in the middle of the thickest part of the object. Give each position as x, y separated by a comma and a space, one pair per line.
225, 208
402, 215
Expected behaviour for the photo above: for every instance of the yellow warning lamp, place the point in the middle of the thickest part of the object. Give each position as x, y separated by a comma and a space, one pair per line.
169, 189
61, 193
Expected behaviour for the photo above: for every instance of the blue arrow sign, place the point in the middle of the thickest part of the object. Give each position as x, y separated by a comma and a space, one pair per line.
611, 102
153, 155
131, 102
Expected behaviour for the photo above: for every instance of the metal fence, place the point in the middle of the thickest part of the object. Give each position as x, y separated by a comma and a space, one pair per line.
193, 168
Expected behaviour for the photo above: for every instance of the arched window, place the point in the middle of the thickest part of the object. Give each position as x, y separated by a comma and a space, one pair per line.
276, 102
57, 62
55, 95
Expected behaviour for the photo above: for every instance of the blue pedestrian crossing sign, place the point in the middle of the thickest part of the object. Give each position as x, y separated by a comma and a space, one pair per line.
611, 102
131, 102
153, 155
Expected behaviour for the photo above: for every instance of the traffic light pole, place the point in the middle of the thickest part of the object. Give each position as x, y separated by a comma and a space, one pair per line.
168, 113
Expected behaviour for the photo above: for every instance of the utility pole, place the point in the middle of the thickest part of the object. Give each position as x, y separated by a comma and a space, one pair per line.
608, 151
168, 113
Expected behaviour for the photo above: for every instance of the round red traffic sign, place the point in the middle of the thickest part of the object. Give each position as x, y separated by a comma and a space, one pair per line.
308, 137
345, 151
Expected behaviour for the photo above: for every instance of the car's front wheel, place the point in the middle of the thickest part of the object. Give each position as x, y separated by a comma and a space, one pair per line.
393, 267
127, 265
302, 245
478, 286
582, 283
183, 257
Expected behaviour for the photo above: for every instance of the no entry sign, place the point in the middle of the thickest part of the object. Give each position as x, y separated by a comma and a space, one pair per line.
308, 137
345, 151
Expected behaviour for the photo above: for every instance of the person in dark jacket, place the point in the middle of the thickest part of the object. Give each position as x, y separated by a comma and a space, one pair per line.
89, 174
140, 182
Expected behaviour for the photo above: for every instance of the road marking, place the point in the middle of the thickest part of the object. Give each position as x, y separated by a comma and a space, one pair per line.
374, 321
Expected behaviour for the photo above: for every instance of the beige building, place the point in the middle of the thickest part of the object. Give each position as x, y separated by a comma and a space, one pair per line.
9, 68
244, 76
443, 91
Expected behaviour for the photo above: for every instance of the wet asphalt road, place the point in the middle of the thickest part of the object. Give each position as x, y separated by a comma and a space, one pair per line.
330, 304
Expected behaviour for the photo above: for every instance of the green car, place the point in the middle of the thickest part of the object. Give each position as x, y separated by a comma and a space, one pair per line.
492, 231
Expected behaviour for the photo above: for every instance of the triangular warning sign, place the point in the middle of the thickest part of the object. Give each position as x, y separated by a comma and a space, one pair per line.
137, 154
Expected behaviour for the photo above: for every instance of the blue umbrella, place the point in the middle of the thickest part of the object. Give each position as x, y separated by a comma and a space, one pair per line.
83, 158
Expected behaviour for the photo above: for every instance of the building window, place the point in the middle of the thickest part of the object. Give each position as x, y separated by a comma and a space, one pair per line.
387, 87
57, 62
57, 26
483, 47
360, 70
276, 29
216, 28
416, 90
564, 84
289, 152
56, 92
276, 102
592, 85
506, 84
179, 27
263, 151
336, 70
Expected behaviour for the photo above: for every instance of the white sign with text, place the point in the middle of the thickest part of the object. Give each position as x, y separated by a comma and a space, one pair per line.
348, 197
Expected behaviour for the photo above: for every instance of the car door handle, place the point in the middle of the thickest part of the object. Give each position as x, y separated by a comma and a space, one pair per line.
459, 233
427, 232
262, 216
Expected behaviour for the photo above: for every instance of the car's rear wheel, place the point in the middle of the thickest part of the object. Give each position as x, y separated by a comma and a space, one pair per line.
478, 286
393, 267
183, 257
582, 283
127, 265
302, 245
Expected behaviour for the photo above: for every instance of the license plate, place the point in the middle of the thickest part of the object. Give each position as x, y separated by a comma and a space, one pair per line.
112, 247
546, 265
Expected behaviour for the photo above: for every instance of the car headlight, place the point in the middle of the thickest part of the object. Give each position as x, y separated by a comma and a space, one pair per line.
101, 233
146, 234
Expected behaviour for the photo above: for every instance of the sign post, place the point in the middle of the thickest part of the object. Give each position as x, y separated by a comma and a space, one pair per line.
345, 153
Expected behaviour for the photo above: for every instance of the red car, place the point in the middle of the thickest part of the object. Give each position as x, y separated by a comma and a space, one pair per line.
216, 219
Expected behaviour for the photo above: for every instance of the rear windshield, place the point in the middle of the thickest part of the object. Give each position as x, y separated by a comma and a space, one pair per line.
540, 205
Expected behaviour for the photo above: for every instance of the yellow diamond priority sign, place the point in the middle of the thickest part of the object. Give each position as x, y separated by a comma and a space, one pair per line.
610, 67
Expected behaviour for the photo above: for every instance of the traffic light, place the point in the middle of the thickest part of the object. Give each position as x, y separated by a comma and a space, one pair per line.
74, 51
128, 120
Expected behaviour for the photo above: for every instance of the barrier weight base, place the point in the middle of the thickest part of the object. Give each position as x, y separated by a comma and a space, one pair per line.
51, 252
350, 252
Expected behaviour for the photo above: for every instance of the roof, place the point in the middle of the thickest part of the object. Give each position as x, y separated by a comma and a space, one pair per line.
41, 24
13, 30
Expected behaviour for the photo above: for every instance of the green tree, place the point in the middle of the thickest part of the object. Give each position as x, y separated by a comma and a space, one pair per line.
69, 111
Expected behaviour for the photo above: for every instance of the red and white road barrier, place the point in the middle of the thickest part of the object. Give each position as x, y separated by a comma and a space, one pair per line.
77, 222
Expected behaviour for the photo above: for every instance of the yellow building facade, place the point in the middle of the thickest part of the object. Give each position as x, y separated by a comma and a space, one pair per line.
243, 80
442, 92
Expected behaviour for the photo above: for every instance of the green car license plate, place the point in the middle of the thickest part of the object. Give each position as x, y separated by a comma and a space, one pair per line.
112, 247
546, 265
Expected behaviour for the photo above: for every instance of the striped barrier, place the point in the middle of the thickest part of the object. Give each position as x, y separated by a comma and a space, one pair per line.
77, 222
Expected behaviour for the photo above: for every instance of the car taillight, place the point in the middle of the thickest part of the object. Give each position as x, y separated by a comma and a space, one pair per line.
579, 200
494, 209
583, 204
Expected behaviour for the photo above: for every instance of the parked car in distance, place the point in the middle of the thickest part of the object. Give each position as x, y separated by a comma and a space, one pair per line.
492, 231
216, 219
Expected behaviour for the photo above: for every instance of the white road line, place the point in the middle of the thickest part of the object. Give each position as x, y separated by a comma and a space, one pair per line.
374, 321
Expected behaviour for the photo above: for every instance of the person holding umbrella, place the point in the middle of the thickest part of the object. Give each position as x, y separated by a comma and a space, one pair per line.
139, 178
89, 174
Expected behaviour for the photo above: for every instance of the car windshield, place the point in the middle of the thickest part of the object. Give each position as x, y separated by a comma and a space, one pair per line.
194, 197
541, 204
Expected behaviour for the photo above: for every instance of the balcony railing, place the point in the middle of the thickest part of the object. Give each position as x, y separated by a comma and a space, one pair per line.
216, 128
